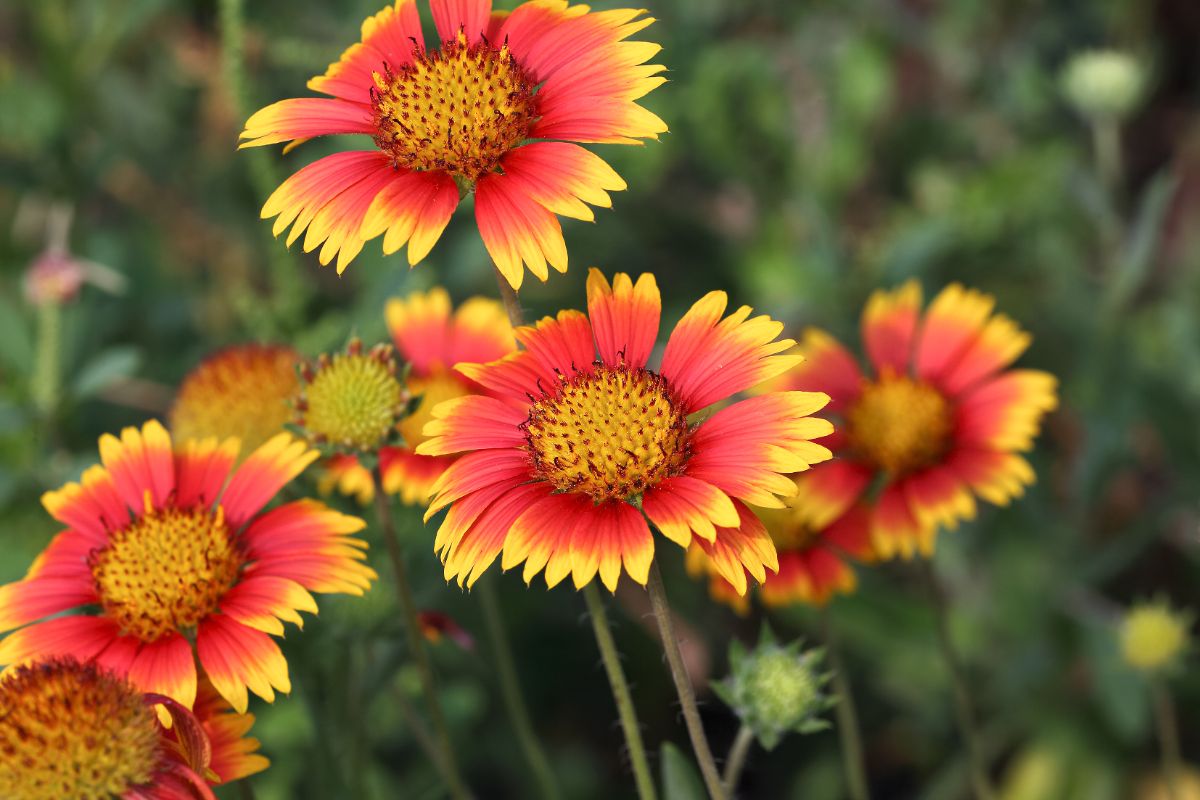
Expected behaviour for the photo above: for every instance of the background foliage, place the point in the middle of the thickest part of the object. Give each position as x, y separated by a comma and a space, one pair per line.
818, 151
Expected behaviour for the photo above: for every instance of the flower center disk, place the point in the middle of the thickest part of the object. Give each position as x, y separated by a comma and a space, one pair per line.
611, 434
166, 572
458, 109
900, 425
72, 730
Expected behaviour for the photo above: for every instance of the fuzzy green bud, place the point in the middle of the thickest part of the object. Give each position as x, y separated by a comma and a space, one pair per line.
775, 689
1103, 84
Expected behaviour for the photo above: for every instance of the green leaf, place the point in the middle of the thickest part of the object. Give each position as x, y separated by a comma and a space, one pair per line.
109, 366
680, 779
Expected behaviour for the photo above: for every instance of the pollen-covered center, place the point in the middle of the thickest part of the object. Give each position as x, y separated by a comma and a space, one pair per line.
353, 400
458, 109
166, 571
73, 731
611, 434
900, 425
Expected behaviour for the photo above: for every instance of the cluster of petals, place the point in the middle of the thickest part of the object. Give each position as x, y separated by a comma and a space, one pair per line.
956, 354
430, 336
503, 502
581, 77
278, 557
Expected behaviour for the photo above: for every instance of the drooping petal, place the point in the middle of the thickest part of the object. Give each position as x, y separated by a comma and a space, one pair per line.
412, 208
237, 658
82, 637
166, 666
812, 576
541, 537
304, 118
738, 550
389, 37
476, 549
267, 470
680, 505
608, 536
261, 601
562, 177
895, 529
517, 230
234, 754
889, 323
708, 358
476, 470
470, 16
624, 317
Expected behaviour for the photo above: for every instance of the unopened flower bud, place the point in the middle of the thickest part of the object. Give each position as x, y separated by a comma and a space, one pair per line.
1154, 636
1103, 84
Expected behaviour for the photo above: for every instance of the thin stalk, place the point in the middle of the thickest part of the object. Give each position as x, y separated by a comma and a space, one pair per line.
46, 382
419, 731
416, 643
849, 732
964, 711
620, 690
736, 761
245, 789
683, 685
512, 304
514, 697
1168, 736
1106, 140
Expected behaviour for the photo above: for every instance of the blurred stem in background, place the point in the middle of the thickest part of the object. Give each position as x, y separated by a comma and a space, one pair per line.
47, 365
683, 685
963, 708
1168, 736
288, 294
849, 733
620, 690
447, 763
514, 697
736, 760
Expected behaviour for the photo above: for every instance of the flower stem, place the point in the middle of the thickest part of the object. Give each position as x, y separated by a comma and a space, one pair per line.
847, 717
1168, 736
963, 708
736, 760
416, 644
512, 304
683, 685
46, 381
514, 697
620, 690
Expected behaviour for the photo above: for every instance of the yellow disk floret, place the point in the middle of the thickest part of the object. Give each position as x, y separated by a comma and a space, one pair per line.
352, 399
243, 392
457, 109
611, 433
900, 425
70, 730
1153, 636
165, 572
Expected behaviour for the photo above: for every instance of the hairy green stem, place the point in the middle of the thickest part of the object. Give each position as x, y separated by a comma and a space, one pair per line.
849, 733
416, 644
620, 690
683, 685
736, 761
963, 708
514, 697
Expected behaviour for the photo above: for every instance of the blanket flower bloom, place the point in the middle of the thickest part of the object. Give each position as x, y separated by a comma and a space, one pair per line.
244, 391
431, 337
184, 565
79, 731
498, 109
565, 464
943, 419
814, 563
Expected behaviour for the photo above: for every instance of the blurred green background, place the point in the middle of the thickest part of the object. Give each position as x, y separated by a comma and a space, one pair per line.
818, 150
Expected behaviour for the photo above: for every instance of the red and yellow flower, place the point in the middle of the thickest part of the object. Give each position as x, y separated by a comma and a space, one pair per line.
814, 563
576, 451
184, 564
498, 110
76, 730
234, 754
432, 338
242, 391
941, 420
